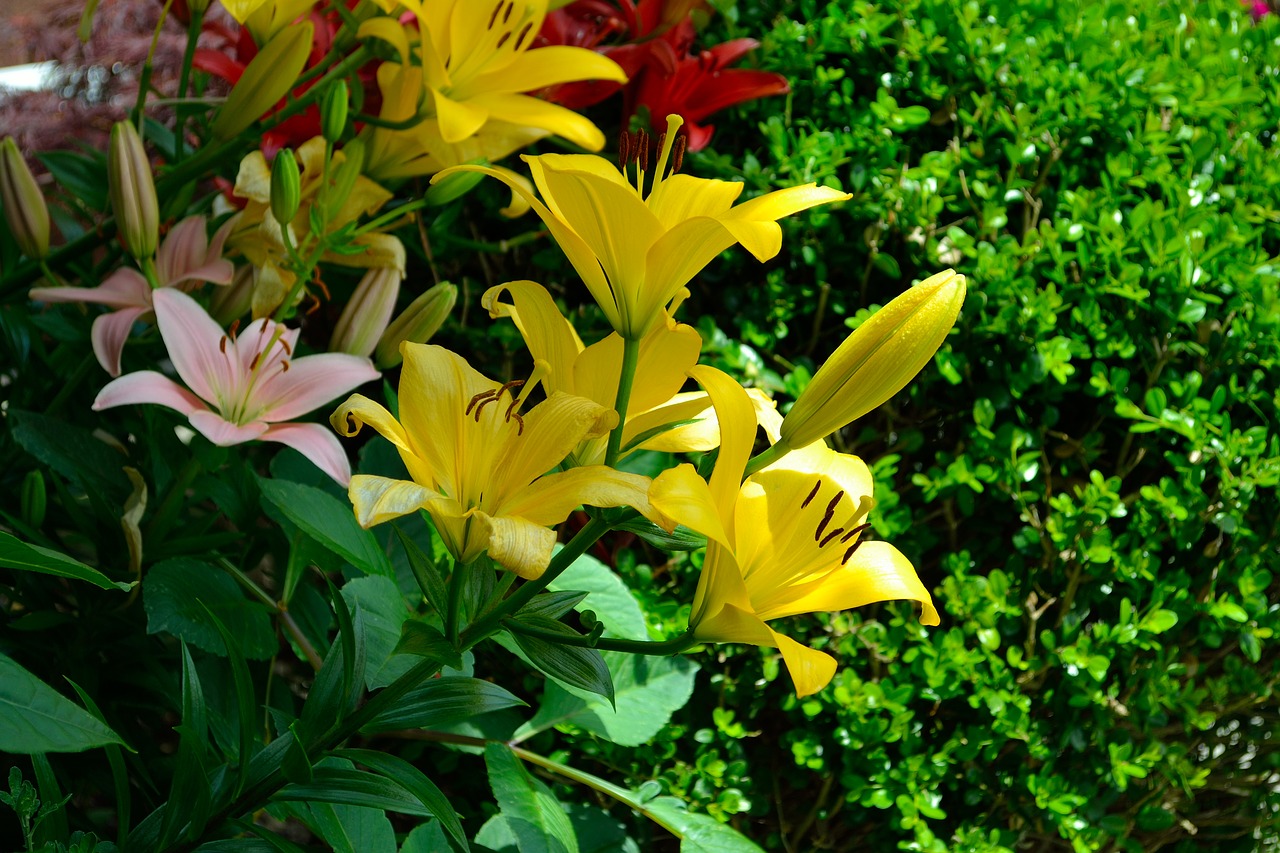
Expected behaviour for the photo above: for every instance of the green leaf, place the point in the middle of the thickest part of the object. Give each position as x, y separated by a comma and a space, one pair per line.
85, 177
552, 605
36, 718
648, 690
1159, 621
441, 702
330, 522
425, 572
534, 815
698, 833
246, 701
73, 452
176, 593
384, 611
416, 783
354, 788
573, 665
16, 554
607, 595
419, 638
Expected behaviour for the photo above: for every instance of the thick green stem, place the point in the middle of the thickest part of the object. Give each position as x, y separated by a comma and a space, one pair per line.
184, 80
576, 547
630, 358
766, 457
456, 580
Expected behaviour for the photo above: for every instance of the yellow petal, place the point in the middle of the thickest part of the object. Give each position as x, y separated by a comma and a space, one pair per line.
726, 622
575, 249
810, 670
750, 220
458, 119
680, 254
681, 495
552, 429
547, 66
390, 31
253, 181
667, 354
516, 544
682, 197
535, 112
547, 334
550, 499
379, 499
877, 571
242, 9
359, 410
737, 436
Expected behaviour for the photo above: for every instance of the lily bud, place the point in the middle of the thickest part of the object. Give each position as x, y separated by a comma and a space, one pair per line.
877, 360
367, 313
23, 203
422, 319
34, 498
334, 111
286, 187
232, 302
133, 191
267, 79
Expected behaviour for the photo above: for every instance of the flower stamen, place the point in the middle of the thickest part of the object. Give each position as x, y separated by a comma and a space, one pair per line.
827, 516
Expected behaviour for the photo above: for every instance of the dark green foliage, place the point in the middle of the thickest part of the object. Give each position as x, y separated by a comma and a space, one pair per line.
1086, 477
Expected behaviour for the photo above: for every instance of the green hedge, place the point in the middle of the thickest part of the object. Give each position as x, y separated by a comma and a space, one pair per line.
1087, 475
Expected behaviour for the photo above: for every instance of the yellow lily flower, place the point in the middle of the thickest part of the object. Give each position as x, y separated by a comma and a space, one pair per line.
265, 18
477, 63
479, 467
635, 252
393, 155
784, 542
259, 236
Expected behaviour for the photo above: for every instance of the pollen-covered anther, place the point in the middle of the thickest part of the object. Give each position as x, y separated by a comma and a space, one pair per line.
222, 345
642, 150
827, 515
624, 150
813, 493
483, 399
677, 152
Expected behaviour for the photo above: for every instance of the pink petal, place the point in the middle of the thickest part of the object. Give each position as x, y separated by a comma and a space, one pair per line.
124, 288
110, 331
222, 432
148, 386
309, 382
316, 443
184, 248
196, 345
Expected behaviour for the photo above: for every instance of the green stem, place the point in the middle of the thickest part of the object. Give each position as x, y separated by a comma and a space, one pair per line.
766, 457
575, 548
456, 579
609, 644
630, 358
184, 81
163, 518
144, 82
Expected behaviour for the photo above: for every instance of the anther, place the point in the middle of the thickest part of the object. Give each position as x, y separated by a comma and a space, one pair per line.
642, 150
826, 516
504, 38
624, 150
519, 422
494, 17
662, 140
253, 365
677, 153
832, 535
854, 532
813, 494
284, 366
284, 343
222, 345
506, 16
483, 395
235, 327
523, 32
849, 553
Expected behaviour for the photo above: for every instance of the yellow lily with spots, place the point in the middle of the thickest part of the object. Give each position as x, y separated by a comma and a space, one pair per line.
477, 64
785, 541
635, 251
479, 466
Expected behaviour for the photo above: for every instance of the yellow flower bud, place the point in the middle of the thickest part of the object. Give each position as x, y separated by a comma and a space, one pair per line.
877, 360
422, 319
133, 191
367, 313
23, 203
269, 77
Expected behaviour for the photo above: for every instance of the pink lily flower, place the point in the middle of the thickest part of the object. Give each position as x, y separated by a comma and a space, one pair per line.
245, 386
185, 258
